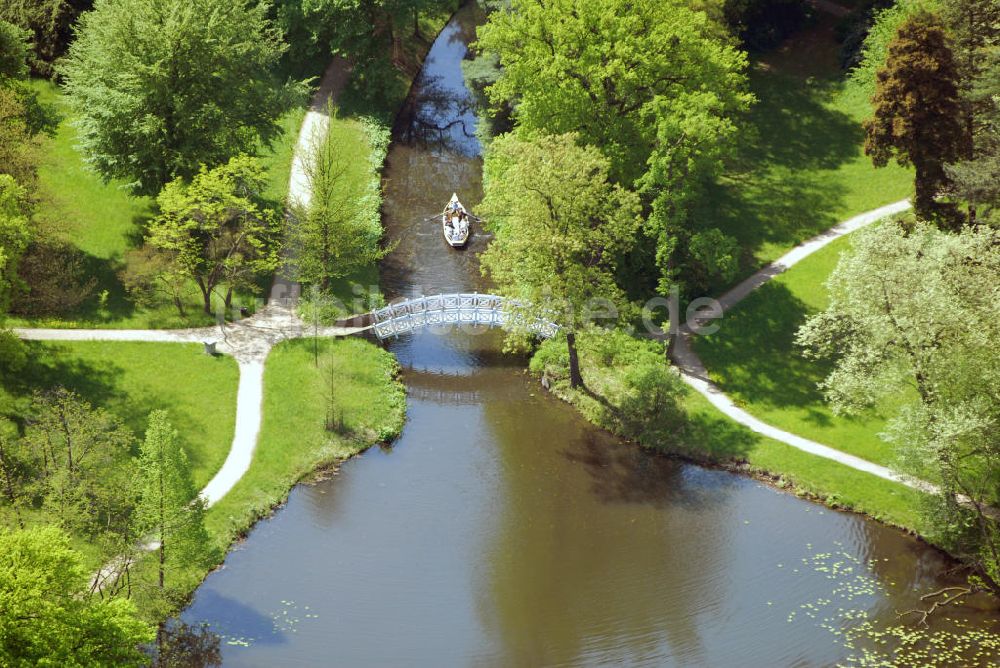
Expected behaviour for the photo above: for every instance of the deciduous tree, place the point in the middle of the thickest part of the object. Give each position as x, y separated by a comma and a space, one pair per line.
331, 237
917, 308
219, 229
917, 115
49, 618
560, 227
162, 87
650, 83
15, 233
78, 463
169, 510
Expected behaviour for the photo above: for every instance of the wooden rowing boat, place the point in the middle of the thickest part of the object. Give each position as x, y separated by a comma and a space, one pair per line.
455, 223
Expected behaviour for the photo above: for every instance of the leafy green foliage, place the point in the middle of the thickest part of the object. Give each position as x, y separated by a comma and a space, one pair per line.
69, 464
631, 389
560, 229
917, 115
219, 229
49, 617
49, 24
650, 83
161, 88
975, 39
169, 506
917, 308
883, 30
337, 233
15, 233
977, 181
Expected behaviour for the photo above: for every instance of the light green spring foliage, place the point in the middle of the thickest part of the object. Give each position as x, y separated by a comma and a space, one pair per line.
169, 508
883, 31
218, 229
651, 83
338, 233
47, 615
162, 87
75, 464
918, 308
627, 76
560, 227
632, 390
15, 232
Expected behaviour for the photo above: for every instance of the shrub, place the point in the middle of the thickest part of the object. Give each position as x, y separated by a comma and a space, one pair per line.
56, 276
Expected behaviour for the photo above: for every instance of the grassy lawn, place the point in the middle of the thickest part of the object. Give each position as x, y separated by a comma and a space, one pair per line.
103, 222
753, 358
802, 169
368, 399
130, 379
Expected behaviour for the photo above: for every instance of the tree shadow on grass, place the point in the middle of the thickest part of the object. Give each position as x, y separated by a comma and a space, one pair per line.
781, 188
755, 354
51, 365
714, 438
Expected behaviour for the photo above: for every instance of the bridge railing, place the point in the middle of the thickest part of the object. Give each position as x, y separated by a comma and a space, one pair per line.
449, 309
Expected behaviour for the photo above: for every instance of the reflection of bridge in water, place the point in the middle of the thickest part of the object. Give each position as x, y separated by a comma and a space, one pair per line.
451, 309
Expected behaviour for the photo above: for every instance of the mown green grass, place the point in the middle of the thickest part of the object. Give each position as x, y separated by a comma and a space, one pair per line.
130, 379
802, 166
294, 441
754, 359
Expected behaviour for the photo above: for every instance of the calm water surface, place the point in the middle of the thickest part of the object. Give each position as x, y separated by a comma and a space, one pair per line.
502, 530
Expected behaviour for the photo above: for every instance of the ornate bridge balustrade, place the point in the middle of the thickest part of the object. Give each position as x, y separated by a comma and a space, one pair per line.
451, 309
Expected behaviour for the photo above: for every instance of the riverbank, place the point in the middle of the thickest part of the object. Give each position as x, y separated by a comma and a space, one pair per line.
311, 424
690, 428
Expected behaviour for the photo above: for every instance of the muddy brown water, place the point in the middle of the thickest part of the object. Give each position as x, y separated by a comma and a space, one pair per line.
502, 530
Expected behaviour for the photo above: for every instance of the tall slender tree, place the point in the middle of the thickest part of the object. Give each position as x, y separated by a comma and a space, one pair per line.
169, 506
974, 28
977, 181
917, 114
561, 227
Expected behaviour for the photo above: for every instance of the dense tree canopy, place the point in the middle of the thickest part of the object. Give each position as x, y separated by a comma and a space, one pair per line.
169, 507
14, 235
917, 308
47, 615
650, 83
218, 230
162, 87
560, 229
49, 23
977, 180
917, 116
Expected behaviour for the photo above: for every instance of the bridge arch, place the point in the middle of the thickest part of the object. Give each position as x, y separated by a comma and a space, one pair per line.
460, 308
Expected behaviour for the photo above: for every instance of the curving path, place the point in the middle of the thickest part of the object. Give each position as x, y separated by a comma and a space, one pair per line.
249, 340
694, 373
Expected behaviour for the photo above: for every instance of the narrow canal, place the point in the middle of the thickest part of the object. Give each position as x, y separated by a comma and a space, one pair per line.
502, 530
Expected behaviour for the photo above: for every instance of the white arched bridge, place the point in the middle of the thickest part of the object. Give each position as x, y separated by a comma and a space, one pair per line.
451, 309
